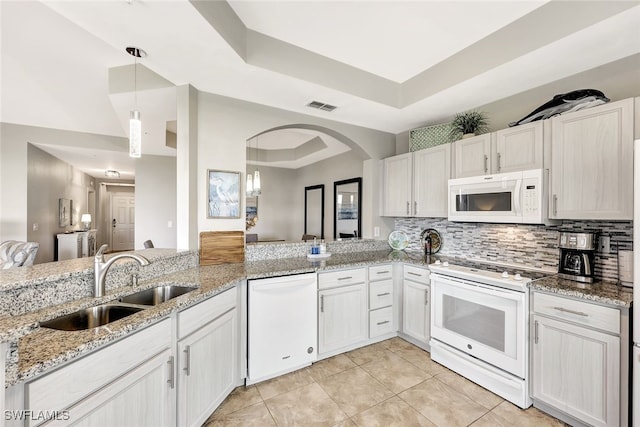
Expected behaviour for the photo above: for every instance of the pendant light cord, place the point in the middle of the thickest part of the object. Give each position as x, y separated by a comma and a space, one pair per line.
135, 81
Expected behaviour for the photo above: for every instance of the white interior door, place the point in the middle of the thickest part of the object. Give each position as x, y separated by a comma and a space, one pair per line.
122, 221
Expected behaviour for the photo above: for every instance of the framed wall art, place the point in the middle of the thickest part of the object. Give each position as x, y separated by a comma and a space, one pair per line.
223, 194
64, 212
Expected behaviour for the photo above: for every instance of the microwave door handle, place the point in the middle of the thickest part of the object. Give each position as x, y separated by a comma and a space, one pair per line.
518, 196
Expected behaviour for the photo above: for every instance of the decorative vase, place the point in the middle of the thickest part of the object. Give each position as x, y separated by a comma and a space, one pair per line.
468, 135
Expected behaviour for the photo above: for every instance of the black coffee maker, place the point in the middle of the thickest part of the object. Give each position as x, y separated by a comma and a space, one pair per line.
577, 254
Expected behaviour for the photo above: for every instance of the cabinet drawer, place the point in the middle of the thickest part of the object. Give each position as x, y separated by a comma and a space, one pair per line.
417, 274
334, 279
194, 317
584, 313
73, 382
380, 322
380, 272
380, 294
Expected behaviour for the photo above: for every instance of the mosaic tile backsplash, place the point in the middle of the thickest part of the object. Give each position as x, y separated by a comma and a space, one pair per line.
533, 246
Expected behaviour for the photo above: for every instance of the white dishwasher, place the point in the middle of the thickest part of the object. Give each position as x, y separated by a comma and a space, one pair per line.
283, 325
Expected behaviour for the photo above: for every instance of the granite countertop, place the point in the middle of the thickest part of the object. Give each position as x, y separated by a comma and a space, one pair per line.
608, 293
40, 349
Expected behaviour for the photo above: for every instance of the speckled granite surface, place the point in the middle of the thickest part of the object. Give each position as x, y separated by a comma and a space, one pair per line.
34, 350
607, 293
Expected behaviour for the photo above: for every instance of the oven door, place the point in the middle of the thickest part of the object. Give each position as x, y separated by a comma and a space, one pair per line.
484, 321
490, 198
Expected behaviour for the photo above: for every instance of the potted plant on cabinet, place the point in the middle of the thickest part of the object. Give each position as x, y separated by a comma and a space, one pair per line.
465, 125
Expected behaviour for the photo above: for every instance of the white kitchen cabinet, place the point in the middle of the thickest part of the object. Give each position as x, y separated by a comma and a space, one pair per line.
519, 148
397, 180
343, 318
575, 368
415, 184
76, 245
130, 381
472, 156
206, 370
508, 150
415, 305
142, 397
381, 307
431, 173
207, 359
592, 163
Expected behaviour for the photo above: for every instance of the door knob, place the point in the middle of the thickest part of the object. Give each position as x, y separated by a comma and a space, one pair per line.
113, 223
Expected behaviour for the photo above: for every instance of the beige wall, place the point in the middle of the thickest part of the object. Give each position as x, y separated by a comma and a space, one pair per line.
224, 126
50, 179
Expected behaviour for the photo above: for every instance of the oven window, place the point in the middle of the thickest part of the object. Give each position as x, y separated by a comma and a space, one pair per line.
477, 322
484, 202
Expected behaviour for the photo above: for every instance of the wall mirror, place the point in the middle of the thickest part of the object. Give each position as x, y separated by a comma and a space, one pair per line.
314, 211
347, 199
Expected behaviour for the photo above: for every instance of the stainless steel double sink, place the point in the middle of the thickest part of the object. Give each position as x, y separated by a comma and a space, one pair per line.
104, 314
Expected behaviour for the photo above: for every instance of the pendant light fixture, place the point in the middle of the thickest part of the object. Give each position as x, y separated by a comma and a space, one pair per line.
135, 125
253, 180
256, 174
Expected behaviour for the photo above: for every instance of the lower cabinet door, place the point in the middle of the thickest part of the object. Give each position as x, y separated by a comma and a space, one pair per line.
415, 314
144, 396
207, 369
343, 317
576, 370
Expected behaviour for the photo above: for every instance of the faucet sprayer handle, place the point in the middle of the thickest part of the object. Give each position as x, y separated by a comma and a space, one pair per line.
100, 254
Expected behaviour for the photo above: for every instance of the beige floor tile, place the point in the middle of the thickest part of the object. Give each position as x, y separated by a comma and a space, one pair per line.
394, 412
470, 389
240, 398
422, 360
367, 354
346, 423
331, 366
395, 373
256, 415
441, 404
305, 406
355, 390
396, 343
491, 420
525, 418
284, 383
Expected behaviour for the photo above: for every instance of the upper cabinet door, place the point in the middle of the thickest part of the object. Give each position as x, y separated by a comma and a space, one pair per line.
592, 163
431, 173
519, 148
397, 185
473, 156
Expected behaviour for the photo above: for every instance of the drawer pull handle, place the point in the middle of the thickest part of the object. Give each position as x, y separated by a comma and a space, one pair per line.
565, 310
414, 274
187, 361
345, 278
383, 272
383, 294
170, 381
382, 323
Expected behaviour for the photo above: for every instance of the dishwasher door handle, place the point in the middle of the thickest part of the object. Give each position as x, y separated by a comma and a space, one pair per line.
275, 287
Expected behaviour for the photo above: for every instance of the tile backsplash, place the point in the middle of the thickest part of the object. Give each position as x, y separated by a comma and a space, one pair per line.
534, 246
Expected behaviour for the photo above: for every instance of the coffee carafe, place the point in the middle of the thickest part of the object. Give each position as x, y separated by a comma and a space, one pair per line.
577, 254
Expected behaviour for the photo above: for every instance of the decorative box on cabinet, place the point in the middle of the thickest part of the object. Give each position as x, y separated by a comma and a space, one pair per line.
576, 361
415, 184
591, 171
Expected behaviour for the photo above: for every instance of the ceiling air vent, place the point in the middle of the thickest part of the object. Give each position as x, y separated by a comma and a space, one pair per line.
321, 106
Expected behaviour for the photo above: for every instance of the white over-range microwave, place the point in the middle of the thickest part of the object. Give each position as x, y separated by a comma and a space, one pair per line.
515, 197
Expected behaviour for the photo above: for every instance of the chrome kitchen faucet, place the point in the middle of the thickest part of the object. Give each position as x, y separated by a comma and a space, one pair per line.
101, 267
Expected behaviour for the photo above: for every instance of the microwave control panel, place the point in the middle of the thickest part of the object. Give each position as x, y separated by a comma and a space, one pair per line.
530, 196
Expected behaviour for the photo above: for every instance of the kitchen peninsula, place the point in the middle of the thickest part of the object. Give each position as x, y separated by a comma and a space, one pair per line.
37, 354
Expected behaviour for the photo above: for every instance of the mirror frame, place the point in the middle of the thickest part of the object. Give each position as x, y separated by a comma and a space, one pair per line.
335, 204
306, 192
